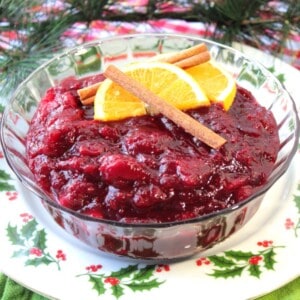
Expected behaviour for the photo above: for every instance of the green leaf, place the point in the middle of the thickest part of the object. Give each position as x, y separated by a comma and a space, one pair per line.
229, 272
117, 291
98, 284
144, 273
239, 255
43, 260
254, 270
1, 108
21, 252
269, 260
280, 77
39, 239
125, 272
221, 261
4, 186
297, 199
144, 285
14, 236
4, 176
252, 74
29, 228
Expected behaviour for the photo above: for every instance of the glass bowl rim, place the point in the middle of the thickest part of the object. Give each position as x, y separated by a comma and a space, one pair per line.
44, 197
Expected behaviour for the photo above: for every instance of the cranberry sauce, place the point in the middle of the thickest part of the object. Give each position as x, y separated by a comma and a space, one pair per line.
147, 169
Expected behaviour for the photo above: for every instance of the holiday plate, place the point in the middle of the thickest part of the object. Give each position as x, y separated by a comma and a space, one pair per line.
263, 256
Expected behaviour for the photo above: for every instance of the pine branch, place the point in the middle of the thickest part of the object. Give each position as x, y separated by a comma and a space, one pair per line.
88, 10
38, 31
34, 41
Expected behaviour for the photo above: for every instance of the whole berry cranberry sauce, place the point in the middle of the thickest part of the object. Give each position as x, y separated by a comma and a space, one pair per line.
146, 169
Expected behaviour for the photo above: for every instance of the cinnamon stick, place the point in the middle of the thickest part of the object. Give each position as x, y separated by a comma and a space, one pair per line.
175, 57
183, 120
90, 100
185, 58
193, 60
88, 92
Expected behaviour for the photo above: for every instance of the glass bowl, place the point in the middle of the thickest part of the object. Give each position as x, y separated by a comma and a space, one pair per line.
155, 241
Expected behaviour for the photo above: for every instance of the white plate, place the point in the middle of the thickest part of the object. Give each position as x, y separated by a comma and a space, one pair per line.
37, 253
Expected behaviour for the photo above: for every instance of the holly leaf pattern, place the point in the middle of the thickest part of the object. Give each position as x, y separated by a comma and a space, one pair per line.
125, 272
20, 252
228, 272
14, 237
4, 175
43, 260
269, 260
28, 230
39, 239
143, 274
132, 277
296, 223
30, 242
117, 291
297, 199
280, 76
233, 263
239, 255
221, 261
143, 285
98, 284
254, 270
4, 185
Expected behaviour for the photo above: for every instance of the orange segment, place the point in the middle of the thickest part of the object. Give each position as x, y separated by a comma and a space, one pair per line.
169, 82
217, 83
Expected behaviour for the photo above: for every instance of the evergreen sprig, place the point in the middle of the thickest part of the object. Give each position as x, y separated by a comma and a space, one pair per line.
39, 29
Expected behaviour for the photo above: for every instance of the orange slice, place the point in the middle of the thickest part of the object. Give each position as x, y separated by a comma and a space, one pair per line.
217, 83
169, 82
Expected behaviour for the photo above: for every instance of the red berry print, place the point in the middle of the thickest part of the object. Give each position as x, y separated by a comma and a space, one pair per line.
11, 195
93, 268
36, 251
202, 261
26, 217
61, 255
254, 260
112, 280
289, 224
265, 243
161, 268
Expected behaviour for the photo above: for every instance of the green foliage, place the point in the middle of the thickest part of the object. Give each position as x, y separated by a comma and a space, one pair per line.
30, 242
35, 262
269, 260
40, 30
35, 42
234, 263
4, 182
254, 270
88, 10
132, 277
14, 236
297, 203
98, 285
297, 199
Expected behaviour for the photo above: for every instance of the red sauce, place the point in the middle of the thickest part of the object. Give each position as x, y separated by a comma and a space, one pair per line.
146, 169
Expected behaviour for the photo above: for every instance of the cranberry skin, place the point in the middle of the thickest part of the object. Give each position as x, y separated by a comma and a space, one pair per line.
146, 196
121, 168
